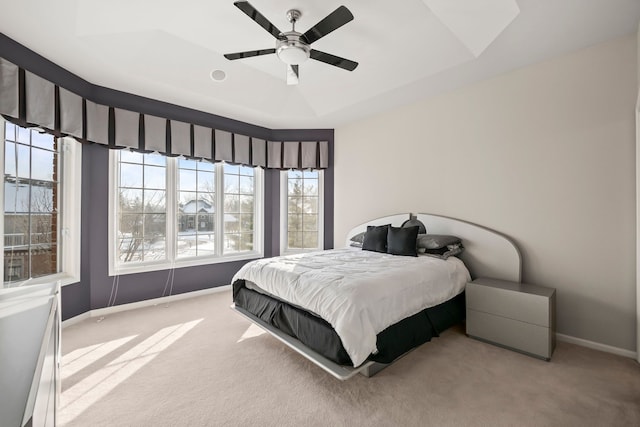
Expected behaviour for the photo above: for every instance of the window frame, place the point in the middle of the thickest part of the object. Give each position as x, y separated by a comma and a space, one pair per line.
284, 214
70, 155
172, 261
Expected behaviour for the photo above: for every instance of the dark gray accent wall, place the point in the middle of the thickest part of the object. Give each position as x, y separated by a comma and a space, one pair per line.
95, 287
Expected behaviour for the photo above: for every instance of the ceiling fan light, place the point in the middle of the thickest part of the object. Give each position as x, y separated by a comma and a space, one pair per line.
292, 55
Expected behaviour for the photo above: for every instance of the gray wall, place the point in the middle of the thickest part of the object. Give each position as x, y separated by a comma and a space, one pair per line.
543, 154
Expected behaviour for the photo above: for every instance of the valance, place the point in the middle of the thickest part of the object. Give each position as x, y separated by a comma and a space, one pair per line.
30, 100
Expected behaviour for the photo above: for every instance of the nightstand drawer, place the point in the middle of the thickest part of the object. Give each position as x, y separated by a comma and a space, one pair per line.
526, 337
509, 302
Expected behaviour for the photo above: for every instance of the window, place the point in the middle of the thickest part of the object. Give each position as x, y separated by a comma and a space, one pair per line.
301, 207
179, 212
41, 206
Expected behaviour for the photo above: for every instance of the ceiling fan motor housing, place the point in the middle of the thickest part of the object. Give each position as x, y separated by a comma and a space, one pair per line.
291, 50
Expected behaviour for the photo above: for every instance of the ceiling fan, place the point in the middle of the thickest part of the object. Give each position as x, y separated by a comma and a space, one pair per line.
292, 47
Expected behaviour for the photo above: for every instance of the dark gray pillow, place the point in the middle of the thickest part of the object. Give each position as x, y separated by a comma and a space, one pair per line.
402, 241
443, 253
375, 239
436, 241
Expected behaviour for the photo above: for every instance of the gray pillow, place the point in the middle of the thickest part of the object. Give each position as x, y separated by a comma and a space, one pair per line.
443, 253
358, 238
436, 241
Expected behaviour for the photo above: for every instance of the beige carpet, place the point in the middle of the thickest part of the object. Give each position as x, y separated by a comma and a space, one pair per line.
197, 363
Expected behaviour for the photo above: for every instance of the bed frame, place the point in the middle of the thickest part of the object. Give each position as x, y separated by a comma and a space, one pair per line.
487, 253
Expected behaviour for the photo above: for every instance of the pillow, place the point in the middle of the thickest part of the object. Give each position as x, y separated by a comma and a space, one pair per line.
356, 241
402, 241
443, 253
436, 241
375, 239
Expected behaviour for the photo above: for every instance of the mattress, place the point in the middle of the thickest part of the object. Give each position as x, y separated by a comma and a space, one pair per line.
358, 293
318, 335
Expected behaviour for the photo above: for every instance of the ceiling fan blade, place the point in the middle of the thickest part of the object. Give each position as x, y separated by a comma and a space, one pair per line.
292, 75
333, 60
333, 21
249, 54
259, 18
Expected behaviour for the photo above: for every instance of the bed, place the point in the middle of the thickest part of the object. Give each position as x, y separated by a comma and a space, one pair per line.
353, 311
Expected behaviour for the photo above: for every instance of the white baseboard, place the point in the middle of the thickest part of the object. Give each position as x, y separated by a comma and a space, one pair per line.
100, 312
597, 346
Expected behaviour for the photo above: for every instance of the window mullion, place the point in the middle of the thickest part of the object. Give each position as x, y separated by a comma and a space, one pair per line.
171, 208
219, 233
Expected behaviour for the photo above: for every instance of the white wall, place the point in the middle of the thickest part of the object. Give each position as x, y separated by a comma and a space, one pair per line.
544, 154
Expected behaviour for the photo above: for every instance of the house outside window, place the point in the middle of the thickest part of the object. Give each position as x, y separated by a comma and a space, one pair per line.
41, 196
173, 212
302, 224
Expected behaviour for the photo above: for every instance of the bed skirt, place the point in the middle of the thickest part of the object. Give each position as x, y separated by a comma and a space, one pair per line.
318, 335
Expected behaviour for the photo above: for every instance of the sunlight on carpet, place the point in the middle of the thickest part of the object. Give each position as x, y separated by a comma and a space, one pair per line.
79, 359
251, 332
79, 397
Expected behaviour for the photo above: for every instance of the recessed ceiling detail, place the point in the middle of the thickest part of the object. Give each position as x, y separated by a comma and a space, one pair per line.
406, 51
475, 23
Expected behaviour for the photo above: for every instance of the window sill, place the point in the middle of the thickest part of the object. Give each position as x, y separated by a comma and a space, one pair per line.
147, 267
62, 279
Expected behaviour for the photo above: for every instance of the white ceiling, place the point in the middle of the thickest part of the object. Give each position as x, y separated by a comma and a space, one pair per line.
406, 50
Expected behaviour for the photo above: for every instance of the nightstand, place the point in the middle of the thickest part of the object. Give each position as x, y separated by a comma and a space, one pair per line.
514, 315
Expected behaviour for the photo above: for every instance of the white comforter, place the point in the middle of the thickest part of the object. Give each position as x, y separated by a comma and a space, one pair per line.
360, 293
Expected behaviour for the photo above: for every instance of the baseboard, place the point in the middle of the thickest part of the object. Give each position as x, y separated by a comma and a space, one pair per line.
101, 312
597, 346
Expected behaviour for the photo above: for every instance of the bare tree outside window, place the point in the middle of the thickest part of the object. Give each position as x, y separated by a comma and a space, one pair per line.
141, 207
239, 201
303, 209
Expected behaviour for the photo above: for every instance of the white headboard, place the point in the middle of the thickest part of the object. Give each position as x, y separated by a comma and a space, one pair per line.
487, 253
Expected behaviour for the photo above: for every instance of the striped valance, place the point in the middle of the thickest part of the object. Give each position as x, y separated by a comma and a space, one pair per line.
30, 100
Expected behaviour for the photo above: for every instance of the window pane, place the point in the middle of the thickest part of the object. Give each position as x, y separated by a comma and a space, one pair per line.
294, 222
231, 203
155, 159
247, 171
310, 204
154, 177
187, 163
231, 242
186, 245
206, 182
130, 156
154, 201
246, 185
246, 242
295, 240
204, 165
10, 159
9, 131
130, 200
246, 204
231, 183
130, 175
232, 169
206, 222
311, 187
295, 205
310, 223
310, 240
42, 198
43, 140
187, 201
246, 222
23, 135
187, 180
206, 244
24, 167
